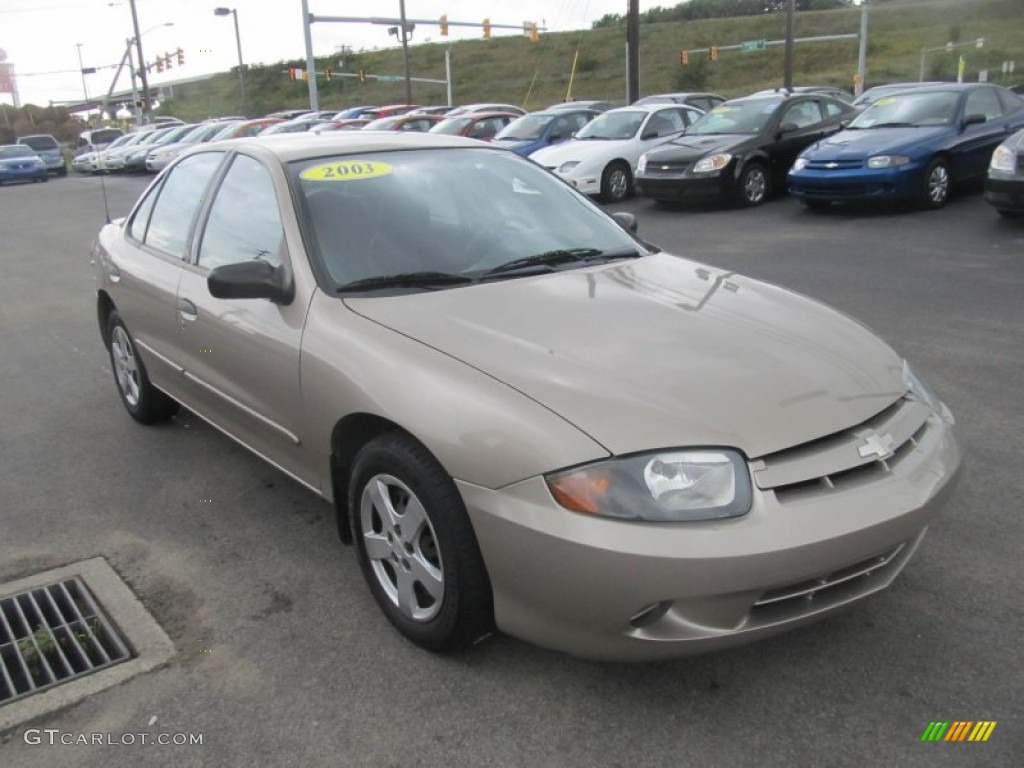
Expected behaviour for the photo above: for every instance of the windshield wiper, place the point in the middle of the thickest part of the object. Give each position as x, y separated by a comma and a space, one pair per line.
894, 125
406, 279
561, 256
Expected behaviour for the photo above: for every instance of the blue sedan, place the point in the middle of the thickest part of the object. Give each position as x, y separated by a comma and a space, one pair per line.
911, 145
526, 134
21, 163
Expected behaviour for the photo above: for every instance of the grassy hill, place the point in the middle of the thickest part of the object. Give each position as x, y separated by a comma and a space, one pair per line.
515, 70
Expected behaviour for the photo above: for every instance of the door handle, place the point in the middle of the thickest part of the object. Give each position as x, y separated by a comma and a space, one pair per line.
187, 310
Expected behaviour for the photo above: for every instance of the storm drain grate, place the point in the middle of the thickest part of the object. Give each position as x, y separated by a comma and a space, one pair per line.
51, 635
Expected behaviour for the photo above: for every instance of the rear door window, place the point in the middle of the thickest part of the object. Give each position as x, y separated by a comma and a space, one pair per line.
180, 197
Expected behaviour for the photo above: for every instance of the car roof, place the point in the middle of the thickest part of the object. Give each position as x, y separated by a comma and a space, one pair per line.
300, 146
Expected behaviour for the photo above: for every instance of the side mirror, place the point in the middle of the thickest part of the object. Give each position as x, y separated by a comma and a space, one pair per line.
788, 128
250, 280
975, 119
647, 135
845, 122
556, 137
625, 220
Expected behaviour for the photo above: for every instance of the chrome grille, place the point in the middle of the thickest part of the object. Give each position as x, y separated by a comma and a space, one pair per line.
653, 168
856, 455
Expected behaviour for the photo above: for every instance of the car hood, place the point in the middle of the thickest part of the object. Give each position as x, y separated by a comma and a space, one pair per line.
867, 142
692, 147
660, 352
580, 150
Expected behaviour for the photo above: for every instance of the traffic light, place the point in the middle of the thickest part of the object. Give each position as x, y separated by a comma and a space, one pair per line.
327, 73
159, 65
181, 57
487, 29
168, 61
713, 53
534, 34
362, 75
444, 25
296, 73
684, 58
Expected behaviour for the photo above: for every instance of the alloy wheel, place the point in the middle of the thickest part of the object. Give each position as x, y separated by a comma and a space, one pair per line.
402, 547
126, 368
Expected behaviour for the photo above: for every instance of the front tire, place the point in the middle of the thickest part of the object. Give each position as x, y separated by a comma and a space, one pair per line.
937, 184
754, 184
144, 402
616, 183
416, 545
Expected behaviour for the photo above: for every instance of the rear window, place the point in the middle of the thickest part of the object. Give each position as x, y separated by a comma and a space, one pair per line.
105, 135
39, 143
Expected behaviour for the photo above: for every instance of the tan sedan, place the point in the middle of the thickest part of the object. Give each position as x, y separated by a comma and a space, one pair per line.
525, 416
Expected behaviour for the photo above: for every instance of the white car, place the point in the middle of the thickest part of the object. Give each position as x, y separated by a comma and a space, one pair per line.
601, 159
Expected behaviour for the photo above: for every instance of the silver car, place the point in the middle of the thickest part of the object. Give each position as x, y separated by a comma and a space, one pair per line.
525, 416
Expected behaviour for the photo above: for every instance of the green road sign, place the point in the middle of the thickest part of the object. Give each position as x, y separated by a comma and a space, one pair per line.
752, 45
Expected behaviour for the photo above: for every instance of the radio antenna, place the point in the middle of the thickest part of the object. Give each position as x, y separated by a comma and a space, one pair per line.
100, 160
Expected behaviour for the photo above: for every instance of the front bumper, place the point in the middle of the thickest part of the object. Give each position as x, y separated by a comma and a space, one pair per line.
608, 589
857, 185
702, 188
1006, 194
587, 182
11, 173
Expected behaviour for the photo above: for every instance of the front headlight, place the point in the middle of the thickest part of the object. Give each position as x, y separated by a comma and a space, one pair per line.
800, 164
712, 163
641, 164
887, 161
568, 166
667, 486
917, 390
1004, 159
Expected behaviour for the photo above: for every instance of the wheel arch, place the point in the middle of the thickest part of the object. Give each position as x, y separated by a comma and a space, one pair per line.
348, 437
104, 306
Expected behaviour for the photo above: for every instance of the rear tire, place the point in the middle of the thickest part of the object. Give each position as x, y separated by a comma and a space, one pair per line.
144, 402
416, 545
616, 183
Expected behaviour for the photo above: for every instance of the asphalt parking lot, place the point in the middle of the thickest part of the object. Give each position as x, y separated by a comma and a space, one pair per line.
284, 659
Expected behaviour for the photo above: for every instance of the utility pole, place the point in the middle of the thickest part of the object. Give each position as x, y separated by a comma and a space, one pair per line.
81, 67
633, 51
405, 51
146, 111
862, 54
787, 80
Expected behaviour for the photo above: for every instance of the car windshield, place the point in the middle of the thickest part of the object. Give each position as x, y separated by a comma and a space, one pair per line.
748, 117
526, 128
123, 141
175, 135
913, 109
454, 215
105, 135
614, 125
382, 124
453, 126
14, 150
39, 143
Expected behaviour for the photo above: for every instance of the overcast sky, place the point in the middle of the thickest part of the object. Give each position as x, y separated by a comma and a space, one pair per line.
40, 36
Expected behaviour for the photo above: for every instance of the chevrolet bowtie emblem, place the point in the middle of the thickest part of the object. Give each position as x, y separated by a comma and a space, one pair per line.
877, 445
831, 165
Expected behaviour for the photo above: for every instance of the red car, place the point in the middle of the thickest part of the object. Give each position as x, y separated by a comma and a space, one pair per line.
479, 125
417, 122
352, 124
389, 110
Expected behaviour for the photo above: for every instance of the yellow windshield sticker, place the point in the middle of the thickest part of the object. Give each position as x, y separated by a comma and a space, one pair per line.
721, 110
346, 171
885, 102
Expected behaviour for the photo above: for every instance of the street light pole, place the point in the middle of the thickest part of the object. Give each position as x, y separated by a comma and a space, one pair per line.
862, 53
146, 109
241, 65
790, 32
